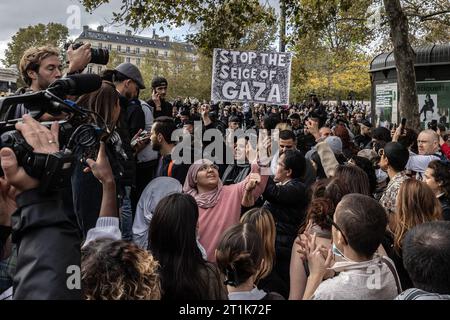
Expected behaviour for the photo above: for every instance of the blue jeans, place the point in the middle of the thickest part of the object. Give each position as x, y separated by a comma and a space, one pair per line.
126, 216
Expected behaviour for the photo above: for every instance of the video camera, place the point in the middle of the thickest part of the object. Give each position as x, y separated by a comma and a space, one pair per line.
53, 170
98, 56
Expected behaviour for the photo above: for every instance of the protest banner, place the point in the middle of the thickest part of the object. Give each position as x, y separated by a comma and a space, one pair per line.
249, 76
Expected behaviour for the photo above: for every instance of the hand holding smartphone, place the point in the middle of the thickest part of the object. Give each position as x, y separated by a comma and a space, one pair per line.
403, 126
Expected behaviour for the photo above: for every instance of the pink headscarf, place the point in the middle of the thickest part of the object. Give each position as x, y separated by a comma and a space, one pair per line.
204, 200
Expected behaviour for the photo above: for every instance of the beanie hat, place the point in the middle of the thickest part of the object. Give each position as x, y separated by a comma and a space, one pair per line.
335, 144
159, 82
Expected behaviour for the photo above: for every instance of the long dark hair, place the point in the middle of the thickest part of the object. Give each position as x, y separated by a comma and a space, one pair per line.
103, 101
172, 241
356, 180
441, 173
367, 166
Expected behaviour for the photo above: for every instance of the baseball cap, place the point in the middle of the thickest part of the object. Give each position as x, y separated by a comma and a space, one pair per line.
397, 155
132, 72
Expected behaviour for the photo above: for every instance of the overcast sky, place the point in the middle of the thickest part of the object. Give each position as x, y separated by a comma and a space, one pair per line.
16, 14
22, 13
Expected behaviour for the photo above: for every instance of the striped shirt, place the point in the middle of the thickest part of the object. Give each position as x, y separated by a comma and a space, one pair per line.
418, 294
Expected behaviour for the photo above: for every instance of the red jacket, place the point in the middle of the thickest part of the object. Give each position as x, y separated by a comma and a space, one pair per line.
445, 148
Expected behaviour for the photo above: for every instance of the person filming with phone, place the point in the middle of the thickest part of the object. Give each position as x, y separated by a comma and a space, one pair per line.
158, 102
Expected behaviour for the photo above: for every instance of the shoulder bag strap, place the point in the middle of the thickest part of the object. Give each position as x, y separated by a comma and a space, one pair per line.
391, 267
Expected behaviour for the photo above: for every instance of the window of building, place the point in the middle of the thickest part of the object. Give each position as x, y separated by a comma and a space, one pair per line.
156, 53
128, 49
99, 69
148, 51
119, 48
89, 69
99, 45
109, 47
128, 59
138, 50
166, 54
138, 61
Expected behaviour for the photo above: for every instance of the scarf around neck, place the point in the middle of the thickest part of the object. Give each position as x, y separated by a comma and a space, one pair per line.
204, 200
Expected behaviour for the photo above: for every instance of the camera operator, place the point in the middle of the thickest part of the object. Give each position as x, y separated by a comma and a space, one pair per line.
47, 241
41, 66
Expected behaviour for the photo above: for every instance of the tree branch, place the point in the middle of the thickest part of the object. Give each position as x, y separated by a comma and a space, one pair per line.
427, 16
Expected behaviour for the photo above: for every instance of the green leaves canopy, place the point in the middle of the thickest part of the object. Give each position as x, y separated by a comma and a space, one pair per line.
38, 35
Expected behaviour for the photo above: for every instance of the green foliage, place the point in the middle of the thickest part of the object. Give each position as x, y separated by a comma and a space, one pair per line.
114, 59
429, 21
337, 23
236, 25
33, 36
333, 41
330, 74
186, 76
219, 23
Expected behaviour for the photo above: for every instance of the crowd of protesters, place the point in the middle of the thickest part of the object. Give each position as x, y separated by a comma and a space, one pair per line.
334, 208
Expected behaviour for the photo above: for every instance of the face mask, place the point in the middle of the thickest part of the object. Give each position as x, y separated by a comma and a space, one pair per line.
337, 252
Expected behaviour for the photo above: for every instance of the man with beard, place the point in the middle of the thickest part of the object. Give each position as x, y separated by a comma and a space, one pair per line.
158, 102
161, 140
287, 141
41, 66
128, 81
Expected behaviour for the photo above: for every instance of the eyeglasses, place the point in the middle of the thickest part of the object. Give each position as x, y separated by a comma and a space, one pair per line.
330, 220
206, 167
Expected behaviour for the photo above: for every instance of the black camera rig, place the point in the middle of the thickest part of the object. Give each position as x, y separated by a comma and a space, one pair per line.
98, 56
53, 170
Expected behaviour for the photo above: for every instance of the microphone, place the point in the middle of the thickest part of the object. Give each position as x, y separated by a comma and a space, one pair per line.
39, 101
75, 85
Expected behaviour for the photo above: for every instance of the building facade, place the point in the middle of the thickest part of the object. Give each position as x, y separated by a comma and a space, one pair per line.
432, 68
8, 80
133, 48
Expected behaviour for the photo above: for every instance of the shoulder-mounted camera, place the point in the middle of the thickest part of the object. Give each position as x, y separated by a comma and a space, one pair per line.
53, 170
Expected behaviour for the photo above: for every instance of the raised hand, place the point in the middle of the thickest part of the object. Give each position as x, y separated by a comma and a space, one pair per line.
101, 168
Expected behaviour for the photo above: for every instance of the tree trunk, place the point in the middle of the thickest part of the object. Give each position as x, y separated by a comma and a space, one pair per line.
404, 55
282, 26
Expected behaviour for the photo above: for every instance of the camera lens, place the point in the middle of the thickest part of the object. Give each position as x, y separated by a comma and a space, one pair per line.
100, 56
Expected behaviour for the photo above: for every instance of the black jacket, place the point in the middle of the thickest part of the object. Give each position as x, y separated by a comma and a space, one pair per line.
166, 109
235, 173
177, 171
48, 243
445, 203
131, 119
287, 203
362, 141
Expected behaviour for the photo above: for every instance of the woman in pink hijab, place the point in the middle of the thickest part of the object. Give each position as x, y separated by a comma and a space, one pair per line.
219, 205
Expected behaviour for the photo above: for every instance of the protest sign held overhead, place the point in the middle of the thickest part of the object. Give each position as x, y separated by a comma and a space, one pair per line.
249, 76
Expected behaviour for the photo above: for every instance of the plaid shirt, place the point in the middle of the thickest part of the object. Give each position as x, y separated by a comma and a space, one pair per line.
389, 198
